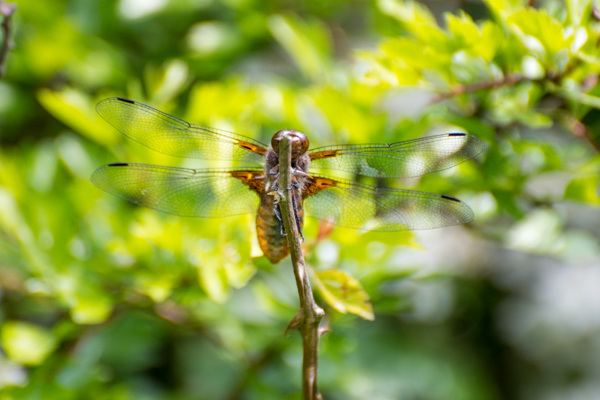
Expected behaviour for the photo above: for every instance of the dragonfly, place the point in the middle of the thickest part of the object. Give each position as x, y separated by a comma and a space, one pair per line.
346, 203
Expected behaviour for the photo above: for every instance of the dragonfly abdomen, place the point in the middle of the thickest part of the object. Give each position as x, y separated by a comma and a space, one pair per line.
268, 229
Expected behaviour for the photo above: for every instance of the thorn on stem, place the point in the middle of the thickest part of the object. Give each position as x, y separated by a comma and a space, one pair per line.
294, 324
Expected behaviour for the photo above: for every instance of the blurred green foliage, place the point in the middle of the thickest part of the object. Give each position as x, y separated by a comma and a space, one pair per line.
105, 300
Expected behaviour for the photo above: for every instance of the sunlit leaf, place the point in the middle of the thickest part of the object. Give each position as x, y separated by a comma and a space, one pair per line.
506, 7
579, 11
584, 189
343, 292
211, 275
26, 343
306, 42
539, 32
582, 98
76, 110
415, 17
167, 82
155, 285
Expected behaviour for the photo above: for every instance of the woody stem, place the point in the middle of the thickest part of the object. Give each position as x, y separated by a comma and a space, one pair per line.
309, 313
6, 11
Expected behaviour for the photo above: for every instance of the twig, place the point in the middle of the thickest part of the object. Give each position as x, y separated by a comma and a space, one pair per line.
309, 313
6, 11
474, 87
581, 131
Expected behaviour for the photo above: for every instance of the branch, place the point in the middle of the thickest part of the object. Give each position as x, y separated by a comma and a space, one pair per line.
6, 11
579, 129
309, 313
474, 87
508, 80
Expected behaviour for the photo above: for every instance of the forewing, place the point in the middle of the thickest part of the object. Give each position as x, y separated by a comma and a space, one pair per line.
371, 208
182, 191
173, 136
403, 159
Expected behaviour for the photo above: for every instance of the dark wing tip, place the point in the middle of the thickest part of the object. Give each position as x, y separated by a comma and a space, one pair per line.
106, 102
464, 213
445, 196
100, 176
476, 145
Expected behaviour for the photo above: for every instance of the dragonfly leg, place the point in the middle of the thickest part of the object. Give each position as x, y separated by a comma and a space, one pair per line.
300, 173
294, 185
297, 216
277, 213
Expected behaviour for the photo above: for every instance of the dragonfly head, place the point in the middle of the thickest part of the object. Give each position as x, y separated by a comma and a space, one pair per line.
299, 142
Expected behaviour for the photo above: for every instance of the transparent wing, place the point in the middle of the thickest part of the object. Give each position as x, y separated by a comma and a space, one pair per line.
403, 159
182, 191
379, 209
173, 136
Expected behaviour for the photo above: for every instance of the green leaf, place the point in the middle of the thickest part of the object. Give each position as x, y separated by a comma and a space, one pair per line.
467, 36
343, 292
516, 104
76, 110
157, 286
307, 42
468, 69
26, 343
167, 82
211, 275
584, 189
213, 39
90, 309
505, 7
87, 303
539, 32
579, 11
415, 18
462, 27
582, 98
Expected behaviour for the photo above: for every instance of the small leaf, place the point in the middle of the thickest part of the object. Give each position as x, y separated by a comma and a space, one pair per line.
211, 275
582, 98
462, 27
212, 38
505, 7
584, 189
26, 343
308, 43
579, 11
90, 309
157, 286
166, 82
415, 17
343, 292
76, 110
539, 32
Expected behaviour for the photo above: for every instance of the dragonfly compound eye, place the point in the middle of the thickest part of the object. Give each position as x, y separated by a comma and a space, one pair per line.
299, 141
